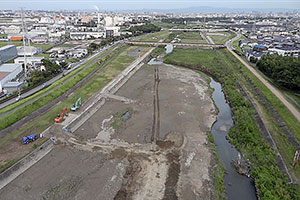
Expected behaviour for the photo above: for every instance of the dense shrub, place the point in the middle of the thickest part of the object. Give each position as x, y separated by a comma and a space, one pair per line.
284, 70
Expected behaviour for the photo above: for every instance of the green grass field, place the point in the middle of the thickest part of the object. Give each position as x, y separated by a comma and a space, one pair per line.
45, 55
218, 39
17, 43
190, 37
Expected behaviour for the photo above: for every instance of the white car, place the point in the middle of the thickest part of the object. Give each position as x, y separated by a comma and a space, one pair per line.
18, 98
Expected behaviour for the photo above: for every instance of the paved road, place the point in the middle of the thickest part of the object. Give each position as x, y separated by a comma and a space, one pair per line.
177, 44
40, 87
207, 38
275, 91
57, 77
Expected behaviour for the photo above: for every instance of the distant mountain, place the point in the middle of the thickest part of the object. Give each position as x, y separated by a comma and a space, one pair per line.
206, 9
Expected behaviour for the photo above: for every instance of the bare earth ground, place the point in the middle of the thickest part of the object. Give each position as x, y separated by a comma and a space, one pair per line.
111, 158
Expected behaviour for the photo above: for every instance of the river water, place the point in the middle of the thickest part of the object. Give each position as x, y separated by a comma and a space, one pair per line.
238, 187
169, 48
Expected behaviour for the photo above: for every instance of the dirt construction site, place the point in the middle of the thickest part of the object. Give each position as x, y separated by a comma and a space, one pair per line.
145, 138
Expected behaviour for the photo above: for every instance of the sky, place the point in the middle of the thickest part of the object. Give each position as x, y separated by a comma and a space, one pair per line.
144, 4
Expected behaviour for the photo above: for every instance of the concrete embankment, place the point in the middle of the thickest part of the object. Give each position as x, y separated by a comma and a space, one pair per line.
14, 171
96, 102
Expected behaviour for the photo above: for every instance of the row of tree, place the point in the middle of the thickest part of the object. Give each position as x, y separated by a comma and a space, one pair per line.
284, 70
94, 46
146, 28
38, 76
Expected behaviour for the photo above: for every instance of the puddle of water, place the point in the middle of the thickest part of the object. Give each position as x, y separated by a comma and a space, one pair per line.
237, 186
169, 48
126, 116
153, 61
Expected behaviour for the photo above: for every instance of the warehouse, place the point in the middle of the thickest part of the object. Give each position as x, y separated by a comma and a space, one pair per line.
8, 72
87, 35
29, 50
30, 60
8, 53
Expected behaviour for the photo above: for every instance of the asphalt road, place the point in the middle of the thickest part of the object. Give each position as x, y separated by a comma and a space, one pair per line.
275, 91
52, 81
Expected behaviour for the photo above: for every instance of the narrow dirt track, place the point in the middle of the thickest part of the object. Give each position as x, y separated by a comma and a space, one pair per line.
156, 122
291, 108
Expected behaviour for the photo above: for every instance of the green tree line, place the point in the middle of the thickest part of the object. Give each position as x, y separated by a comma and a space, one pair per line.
284, 70
146, 28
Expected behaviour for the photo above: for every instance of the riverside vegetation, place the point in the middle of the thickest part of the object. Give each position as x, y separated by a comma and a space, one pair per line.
271, 183
283, 70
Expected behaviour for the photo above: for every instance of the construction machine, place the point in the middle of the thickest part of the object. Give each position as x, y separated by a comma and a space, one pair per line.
29, 138
60, 117
76, 105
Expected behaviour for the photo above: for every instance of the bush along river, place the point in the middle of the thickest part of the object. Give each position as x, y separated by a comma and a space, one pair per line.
237, 186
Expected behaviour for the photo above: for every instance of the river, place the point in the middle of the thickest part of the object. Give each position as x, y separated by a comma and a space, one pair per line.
238, 187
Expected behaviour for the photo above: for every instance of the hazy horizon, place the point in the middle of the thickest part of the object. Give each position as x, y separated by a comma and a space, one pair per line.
119, 5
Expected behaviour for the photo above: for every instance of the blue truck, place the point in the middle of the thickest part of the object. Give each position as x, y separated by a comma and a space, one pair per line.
29, 138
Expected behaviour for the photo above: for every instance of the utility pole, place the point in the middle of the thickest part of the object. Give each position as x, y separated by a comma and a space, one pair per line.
23, 34
296, 158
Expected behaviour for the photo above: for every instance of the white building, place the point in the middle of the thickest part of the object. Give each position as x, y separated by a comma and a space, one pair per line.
285, 51
78, 53
30, 60
112, 31
46, 20
87, 35
12, 29
8, 72
108, 21
39, 40
29, 50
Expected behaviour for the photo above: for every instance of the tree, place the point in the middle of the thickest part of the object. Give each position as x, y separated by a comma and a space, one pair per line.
93, 46
146, 28
284, 70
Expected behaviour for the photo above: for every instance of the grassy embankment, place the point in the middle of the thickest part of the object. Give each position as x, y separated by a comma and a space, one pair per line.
245, 134
110, 70
236, 46
285, 148
291, 96
190, 37
221, 39
186, 37
28, 109
56, 83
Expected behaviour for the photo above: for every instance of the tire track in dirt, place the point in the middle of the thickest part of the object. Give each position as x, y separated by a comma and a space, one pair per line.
156, 120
